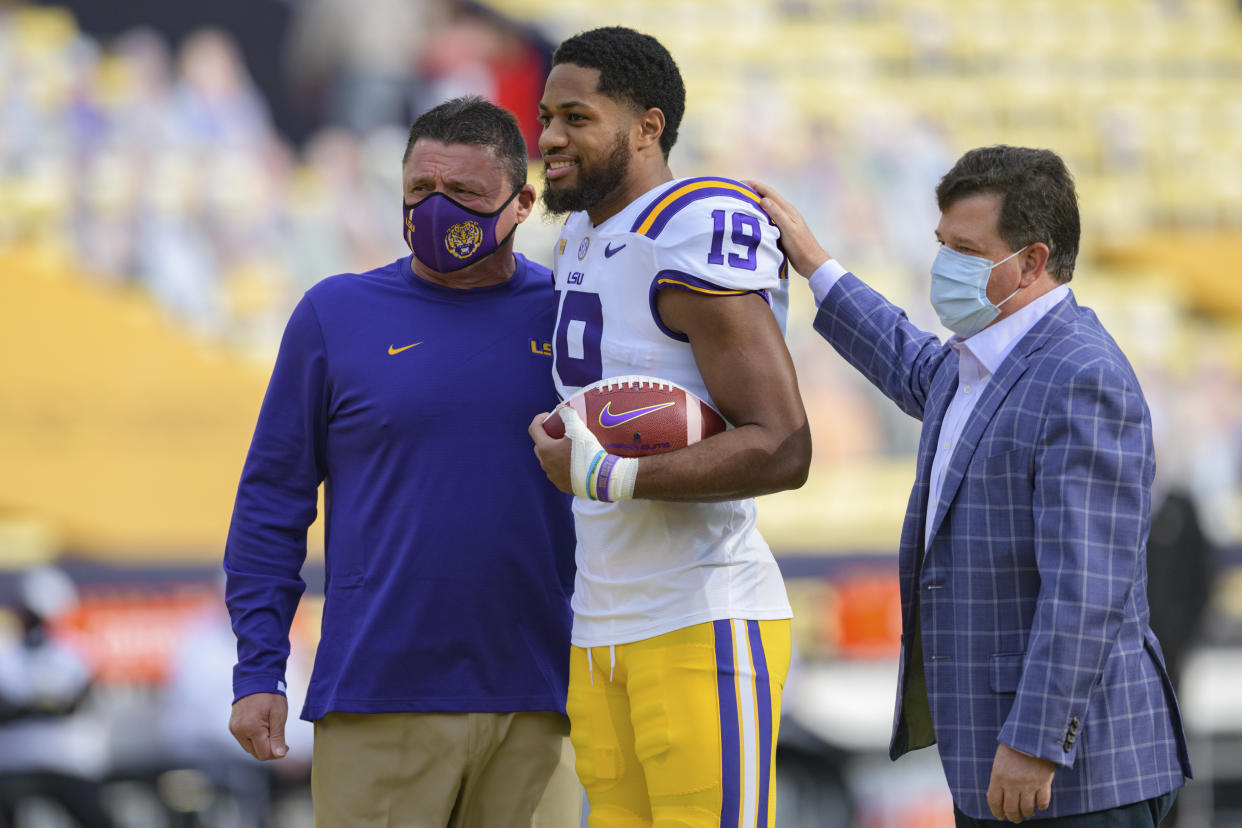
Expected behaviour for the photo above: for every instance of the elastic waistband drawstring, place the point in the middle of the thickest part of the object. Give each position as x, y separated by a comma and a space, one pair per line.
612, 664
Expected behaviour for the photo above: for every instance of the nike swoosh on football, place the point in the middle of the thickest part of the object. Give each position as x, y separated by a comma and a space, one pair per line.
392, 350
610, 251
609, 420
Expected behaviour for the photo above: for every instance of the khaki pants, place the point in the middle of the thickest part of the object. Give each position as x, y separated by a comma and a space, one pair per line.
444, 770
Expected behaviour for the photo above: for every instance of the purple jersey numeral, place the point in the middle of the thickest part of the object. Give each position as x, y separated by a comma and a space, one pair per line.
746, 234
716, 254
578, 357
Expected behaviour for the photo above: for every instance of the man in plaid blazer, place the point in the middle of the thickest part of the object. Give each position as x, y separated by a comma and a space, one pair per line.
1026, 652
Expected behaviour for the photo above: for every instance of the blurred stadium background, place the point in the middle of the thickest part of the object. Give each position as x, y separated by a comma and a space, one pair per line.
173, 176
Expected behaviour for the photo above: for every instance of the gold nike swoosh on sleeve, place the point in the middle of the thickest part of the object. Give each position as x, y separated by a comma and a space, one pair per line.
392, 350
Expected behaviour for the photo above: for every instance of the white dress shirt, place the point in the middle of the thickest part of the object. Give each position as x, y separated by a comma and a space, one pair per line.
978, 358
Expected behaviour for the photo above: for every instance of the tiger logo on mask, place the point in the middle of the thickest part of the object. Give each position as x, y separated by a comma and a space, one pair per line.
463, 239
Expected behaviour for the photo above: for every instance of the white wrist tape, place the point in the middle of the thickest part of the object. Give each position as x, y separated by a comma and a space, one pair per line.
594, 473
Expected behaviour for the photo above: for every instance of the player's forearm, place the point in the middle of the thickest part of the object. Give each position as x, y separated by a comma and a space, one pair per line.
743, 462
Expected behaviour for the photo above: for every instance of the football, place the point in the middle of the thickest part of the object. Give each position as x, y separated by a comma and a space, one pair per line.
634, 416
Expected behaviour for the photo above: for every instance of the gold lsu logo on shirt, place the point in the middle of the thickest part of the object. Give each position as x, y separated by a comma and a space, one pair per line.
540, 348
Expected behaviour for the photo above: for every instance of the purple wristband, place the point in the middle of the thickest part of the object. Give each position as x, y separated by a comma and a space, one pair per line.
603, 476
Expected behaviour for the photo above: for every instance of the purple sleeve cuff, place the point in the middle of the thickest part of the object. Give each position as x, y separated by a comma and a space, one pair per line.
258, 684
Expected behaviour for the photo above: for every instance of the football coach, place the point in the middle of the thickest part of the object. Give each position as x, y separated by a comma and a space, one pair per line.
438, 692
1026, 656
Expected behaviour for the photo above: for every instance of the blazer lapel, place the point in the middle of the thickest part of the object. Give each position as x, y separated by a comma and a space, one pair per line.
998, 387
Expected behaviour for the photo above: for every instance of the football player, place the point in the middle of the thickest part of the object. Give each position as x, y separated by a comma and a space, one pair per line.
681, 621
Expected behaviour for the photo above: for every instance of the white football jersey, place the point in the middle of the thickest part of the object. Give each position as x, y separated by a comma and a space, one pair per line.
649, 567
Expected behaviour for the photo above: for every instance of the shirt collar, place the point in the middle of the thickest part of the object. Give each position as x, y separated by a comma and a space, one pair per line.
992, 344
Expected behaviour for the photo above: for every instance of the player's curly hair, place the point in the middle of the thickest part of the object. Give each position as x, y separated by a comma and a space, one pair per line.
474, 121
634, 68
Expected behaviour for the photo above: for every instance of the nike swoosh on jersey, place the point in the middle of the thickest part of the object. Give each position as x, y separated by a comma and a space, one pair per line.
609, 420
392, 350
610, 251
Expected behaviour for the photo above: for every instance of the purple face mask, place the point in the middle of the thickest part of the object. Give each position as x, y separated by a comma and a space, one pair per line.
445, 236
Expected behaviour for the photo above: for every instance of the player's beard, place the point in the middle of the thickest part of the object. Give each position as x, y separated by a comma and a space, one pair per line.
595, 182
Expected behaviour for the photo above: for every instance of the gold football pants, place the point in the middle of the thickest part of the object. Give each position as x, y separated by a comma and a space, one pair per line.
680, 729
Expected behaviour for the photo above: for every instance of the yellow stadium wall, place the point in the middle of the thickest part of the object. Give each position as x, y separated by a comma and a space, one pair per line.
123, 436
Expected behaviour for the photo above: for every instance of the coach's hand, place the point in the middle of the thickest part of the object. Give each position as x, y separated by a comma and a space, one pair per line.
555, 454
1020, 784
258, 724
799, 243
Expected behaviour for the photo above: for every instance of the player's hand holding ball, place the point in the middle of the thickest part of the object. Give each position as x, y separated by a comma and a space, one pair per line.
593, 473
610, 424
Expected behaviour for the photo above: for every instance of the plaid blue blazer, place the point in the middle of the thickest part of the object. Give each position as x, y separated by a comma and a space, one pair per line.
1030, 603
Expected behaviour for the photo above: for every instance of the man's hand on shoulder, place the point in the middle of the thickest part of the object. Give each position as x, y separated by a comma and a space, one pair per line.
258, 724
799, 243
1020, 784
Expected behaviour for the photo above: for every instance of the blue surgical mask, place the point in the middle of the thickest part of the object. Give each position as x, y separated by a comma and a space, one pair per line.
959, 290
